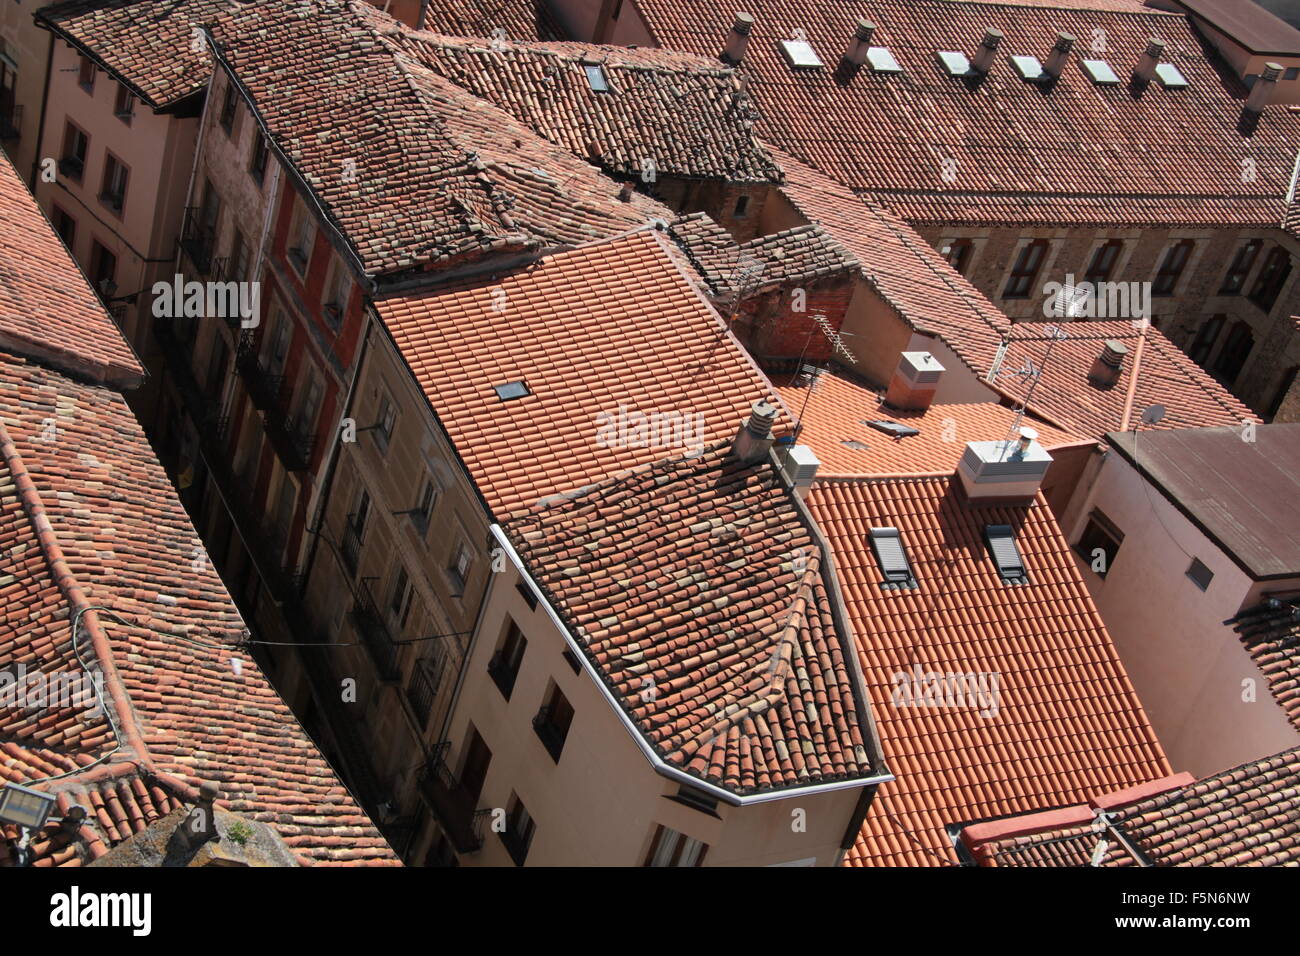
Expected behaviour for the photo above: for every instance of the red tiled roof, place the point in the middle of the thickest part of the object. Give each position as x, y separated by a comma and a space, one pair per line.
747, 682
533, 20
103, 538
1271, 634
1166, 376
1077, 153
47, 307
439, 174
1067, 721
835, 411
686, 114
1246, 816
606, 326
148, 44
1248, 23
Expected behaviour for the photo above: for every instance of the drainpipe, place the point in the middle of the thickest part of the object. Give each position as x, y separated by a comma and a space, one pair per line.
45, 99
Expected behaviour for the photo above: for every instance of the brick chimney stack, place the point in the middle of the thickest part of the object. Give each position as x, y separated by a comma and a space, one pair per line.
1261, 94
738, 39
915, 381
982, 62
1145, 70
1055, 64
754, 439
1109, 365
859, 43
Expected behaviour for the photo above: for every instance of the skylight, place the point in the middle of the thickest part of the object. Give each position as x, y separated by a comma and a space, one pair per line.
596, 77
887, 544
1002, 545
882, 61
1170, 77
1028, 67
1100, 72
855, 444
954, 62
511, 390
800, 55
893, 428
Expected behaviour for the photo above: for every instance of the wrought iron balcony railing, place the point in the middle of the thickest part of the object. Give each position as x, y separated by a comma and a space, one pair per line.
452, 803
197, 239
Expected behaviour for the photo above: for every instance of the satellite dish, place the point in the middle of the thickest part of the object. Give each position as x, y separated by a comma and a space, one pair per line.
1153, 414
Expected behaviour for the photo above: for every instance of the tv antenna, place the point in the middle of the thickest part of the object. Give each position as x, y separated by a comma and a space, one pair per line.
1034, 374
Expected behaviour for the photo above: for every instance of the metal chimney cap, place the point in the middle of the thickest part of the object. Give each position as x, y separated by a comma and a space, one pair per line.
1064, 42
1028, 434
864, 30
1155, 47
744, 23
992, 38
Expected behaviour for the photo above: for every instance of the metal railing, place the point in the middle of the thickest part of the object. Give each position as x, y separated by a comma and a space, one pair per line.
197, 239
452, 804
374, 634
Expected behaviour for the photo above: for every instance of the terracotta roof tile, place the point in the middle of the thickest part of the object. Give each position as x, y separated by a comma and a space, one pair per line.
606, 330
1271, 633
747, 683
482, 18
89, 517
1067, 721
1079, 153
47, 307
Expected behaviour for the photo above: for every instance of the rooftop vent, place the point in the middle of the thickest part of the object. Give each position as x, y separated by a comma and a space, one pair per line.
1028, 67
799, 464
1011, 469
855, 444
892, 429
800, 55
1170, 78
1056, 60
1146, 64
915, 381
859, 43
988, 49
1262, 92
754, 438
954, 63
738, 38
891, 556
1109, 365
1099, 72
511, 390
1001, 539
882, 61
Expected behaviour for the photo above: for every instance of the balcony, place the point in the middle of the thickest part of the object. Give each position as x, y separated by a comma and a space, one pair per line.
378, 642
423, 690
451, 803
351, 546
197, 240
11, 123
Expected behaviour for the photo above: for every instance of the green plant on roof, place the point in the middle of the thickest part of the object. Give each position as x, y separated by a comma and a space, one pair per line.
239, 832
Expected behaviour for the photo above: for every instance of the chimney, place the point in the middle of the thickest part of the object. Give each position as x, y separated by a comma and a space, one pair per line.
72, 820
1145, 71
1109, 365
982, 62
738, 38
1008, 470
1055, 64
799, 464
200, 825
625, 192
914, 383
1262, 92
754, 439
859, 43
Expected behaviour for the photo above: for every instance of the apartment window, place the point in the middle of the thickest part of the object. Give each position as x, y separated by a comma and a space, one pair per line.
283, 514
103, 269
460, 565
10, 118
1276, 270
113, 191
1292, 73
1236, 349
309, 406
958, 253
386, 423
75, 146
1099, 543
1025, 270
1206, 336
301, 238
504, 666
1103, 261
237, 269
518, 834
1201, 575
553, 721
218, 361
696, 800
354, 529
277, 351
474, 768
1171, 267
337, 292
229, 104
399, 595
742, 207
124, 104
86, 74
424, 508
257, 165
1283, 389
65, 226
670, 848
1235, 279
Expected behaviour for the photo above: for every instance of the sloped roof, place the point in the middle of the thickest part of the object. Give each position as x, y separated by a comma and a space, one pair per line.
687, 115
1249, 23
1246, 816
1065, 721
1078, 153
1271, 634
47, 306
746, 681
102, 538
526, 20
834, 410
599, 334
439, 175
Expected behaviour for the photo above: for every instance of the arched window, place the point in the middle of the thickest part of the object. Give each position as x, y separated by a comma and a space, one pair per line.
1235, 352
1205, 339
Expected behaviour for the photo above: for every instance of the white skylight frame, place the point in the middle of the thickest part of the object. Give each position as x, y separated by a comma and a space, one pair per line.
1171, 78
800, 55
1100, 72
882, 61
1028, 67
954, 62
